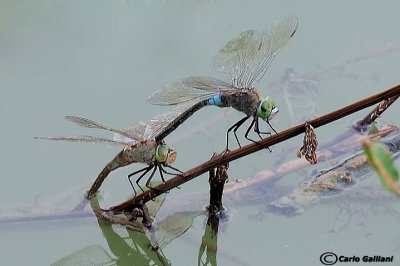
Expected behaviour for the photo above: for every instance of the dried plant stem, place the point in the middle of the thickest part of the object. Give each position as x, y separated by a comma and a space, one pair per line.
374, 114
217, 180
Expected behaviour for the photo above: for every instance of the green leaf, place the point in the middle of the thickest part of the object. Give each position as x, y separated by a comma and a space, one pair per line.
382, 161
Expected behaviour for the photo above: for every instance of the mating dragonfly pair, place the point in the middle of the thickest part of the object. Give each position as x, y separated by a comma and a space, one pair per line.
234, 71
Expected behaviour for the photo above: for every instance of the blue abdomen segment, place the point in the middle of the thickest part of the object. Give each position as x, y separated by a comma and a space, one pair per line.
215, 100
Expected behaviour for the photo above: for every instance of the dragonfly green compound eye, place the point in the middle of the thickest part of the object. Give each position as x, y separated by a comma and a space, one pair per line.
165, 155
267, 109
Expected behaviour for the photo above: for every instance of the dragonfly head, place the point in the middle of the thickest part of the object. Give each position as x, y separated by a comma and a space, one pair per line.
267, 109
165, 154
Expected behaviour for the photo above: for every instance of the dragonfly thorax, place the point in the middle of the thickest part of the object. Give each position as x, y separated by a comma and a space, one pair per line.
267, 109
141, 152
245, 101
165, 154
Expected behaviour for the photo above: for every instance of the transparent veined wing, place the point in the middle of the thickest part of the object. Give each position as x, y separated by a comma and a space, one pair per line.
195, 88
138, 129
245, 59
149, 130
275, 38
91, 255
231, 64
169, 120
84, 122
174, 226
88, 139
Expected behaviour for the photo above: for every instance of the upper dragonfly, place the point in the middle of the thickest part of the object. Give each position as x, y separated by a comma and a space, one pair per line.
233, 73
143, 144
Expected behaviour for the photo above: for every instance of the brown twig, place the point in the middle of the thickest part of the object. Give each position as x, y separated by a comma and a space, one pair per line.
261, 187
262, 144
374, 114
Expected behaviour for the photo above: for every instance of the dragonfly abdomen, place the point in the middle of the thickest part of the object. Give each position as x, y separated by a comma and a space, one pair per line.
118, 161
99, 180
181, 118
215, 100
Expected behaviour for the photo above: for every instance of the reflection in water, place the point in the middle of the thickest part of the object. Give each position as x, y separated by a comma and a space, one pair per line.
134, 248
91, 255
132, 243
140, 245
329, 183
208, 247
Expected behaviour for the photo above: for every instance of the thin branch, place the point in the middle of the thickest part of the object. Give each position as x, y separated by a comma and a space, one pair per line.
254, 147
236, 193
374, 114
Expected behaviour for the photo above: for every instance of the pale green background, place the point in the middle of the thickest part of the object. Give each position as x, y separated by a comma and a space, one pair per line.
101, 60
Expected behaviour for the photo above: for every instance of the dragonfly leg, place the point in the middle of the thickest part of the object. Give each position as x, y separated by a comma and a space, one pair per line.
151, 176
161, 170
173, 168
235, 127
271, 127
146, 170
257, 130
169, 173
246, 135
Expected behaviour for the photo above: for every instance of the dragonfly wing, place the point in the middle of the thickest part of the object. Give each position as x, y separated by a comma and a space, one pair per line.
88, 139
91, 255
137, 129
188, 89
169, 120
211, 85
155, 126
84, 122
245, 59
231, 63
274, 39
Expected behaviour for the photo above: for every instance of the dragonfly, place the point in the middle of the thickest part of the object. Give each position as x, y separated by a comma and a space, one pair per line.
234, 71
143, 143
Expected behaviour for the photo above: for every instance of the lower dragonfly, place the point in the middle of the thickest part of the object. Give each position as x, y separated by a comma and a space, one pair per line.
233, 73
143, 144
